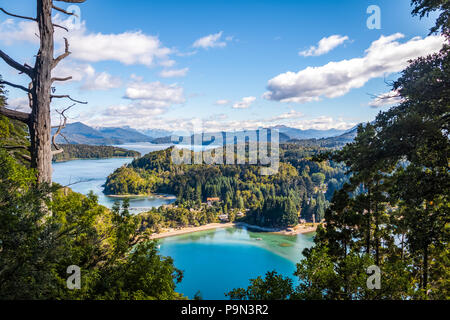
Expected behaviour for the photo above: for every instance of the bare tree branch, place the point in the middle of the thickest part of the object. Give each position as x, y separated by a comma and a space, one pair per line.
14, 64
64, 11
15, 115
15, 147
59, 26
72, 1
62, 56
14, 85
62, 79
68, 97
17, 16
27, 158
62, 125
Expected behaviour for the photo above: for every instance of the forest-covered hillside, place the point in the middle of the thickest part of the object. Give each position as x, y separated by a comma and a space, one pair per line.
83, 151
300, 189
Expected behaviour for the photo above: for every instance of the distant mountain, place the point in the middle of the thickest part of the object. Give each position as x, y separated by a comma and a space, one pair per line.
294, 133
79, 133
286, 134
124, 134
330, 142
156, 133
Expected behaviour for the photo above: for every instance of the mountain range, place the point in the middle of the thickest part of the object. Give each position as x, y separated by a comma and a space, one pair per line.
79, 133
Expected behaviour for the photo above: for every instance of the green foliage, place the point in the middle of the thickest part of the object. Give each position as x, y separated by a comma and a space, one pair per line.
38, 242
83, 151
272, 287
267, 200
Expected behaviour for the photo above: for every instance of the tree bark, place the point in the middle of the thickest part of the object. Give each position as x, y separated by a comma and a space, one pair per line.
40, 124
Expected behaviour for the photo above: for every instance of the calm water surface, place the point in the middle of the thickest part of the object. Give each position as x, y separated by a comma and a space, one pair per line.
217, 261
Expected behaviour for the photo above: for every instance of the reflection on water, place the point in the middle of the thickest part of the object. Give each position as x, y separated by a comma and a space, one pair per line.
217, 261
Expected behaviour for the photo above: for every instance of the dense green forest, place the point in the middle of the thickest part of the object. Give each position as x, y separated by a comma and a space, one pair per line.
399, 219
83, 151
45, 229
301, 188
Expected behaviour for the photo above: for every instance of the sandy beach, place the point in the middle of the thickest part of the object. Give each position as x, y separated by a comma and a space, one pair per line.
300, 229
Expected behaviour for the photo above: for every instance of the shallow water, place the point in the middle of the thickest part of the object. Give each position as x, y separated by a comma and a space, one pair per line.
217, 261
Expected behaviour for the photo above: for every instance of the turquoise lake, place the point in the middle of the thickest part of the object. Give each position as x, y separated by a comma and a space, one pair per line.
214, 261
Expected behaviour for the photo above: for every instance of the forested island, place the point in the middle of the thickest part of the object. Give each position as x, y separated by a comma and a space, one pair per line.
301, 189
84, 151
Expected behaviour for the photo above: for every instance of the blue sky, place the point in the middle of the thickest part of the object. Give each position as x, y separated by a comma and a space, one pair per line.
224, 64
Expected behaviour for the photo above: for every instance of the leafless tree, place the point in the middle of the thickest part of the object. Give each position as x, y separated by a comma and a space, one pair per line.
39, 89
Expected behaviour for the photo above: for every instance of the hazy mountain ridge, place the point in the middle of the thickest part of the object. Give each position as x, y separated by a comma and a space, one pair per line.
79, 133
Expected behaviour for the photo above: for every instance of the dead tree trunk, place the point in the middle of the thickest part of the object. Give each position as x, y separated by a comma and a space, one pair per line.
40, 124
39, 90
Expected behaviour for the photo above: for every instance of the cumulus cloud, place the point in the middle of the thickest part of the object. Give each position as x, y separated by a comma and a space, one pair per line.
211, 41
19, 104
222, 102
325, 45
386, 99
102, 81
148, 101
244, 103
174, 73
131, 47
288, 116
155, 94
384, 56
82, 72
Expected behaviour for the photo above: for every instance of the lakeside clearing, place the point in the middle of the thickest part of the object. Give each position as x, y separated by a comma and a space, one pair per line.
299, 229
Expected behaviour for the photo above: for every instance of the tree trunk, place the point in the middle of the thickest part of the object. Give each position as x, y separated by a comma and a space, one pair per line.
40, 122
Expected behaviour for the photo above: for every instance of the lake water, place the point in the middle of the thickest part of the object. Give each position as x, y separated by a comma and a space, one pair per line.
86, 175
215, 261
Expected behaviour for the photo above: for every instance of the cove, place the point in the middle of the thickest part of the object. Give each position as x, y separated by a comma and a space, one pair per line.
85, 175
217, 261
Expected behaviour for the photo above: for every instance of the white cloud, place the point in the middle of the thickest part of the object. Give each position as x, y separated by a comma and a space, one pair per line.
11, 32
335, 79
19, 104
288, 115
211, 41
244, 103
325, 45
102, 81
222, 102
148, 101
86, 73
174, 73
386, 99
155, 94
131, 47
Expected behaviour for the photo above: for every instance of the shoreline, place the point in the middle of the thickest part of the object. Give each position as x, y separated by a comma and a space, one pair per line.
155, 195
299, 229
103, 158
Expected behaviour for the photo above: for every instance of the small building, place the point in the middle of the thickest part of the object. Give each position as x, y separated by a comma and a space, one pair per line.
211, 200
223, 217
